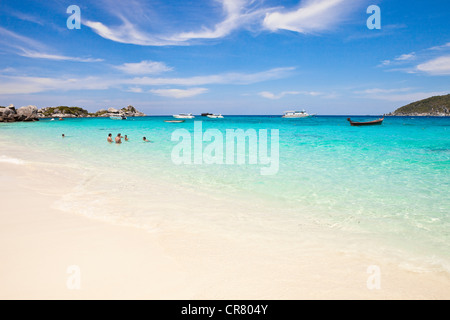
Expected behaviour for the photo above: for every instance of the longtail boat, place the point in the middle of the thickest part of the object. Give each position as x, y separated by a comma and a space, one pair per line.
368, 123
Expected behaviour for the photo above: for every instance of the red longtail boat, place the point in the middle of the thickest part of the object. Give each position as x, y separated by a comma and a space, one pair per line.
368, 123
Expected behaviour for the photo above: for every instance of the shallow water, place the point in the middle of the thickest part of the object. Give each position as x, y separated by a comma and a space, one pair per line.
386, 186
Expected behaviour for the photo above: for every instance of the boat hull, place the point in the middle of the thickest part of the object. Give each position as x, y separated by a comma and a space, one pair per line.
293, 117
368, 123
183, 117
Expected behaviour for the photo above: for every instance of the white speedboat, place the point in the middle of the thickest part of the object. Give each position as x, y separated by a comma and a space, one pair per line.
296, 114
215, 116
118, 118
184, 116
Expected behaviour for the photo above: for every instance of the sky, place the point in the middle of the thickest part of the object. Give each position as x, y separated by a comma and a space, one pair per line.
224, 56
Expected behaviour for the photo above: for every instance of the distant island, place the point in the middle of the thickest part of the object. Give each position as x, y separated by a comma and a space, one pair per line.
76, 112
32, 113
438, 106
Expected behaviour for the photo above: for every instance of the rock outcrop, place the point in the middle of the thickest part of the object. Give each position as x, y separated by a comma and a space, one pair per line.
31, 113
129, 111
10, 114
62, 112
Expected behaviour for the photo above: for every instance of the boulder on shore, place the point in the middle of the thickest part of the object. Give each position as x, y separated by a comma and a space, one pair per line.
112, 110
10, 114
28, 113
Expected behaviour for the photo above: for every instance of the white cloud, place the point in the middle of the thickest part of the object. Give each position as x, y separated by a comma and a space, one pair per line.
179, 93
8, 70
437, 66
27, 17
224, 78
238, 13
144, 67
41, 55
406, 57
24, 85
126, 33
447, 45
30, 48
425, 61
135, 90
378, 90
311, 16
273, 96
270, 95
14, 40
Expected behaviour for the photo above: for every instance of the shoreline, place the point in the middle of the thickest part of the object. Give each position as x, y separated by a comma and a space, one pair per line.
39, 243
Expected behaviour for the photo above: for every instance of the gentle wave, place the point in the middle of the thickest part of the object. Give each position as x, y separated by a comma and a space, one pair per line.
16, 161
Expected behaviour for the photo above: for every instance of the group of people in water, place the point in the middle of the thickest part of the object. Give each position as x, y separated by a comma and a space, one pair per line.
119, 138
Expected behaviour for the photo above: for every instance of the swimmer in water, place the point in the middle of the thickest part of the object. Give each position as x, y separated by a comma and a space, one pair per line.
119, 138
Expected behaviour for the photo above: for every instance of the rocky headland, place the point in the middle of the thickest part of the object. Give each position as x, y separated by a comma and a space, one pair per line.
32, 113
438, 106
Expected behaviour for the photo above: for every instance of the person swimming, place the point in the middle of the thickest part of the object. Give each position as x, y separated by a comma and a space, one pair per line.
63, 135
119, 138
110, 138
126, 138
145, 139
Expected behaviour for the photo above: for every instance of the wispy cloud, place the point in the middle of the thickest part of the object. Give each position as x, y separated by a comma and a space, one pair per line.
406, 57
444, 46
30, 48
400, 59
310, 16
237, 78
135, 90
18, 85
273, 96
433, 61
383, 91
14, 40
41, 55
26, 85
27, 17
144, 67
386, 30
238, 13
439, 66
179, 93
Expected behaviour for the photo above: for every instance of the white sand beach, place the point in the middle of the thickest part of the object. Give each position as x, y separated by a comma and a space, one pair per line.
38, 243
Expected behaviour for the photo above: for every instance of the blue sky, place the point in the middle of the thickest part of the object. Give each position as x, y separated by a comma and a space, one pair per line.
224, 56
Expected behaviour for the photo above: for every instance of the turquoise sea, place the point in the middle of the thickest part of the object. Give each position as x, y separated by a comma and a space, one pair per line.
386, 186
